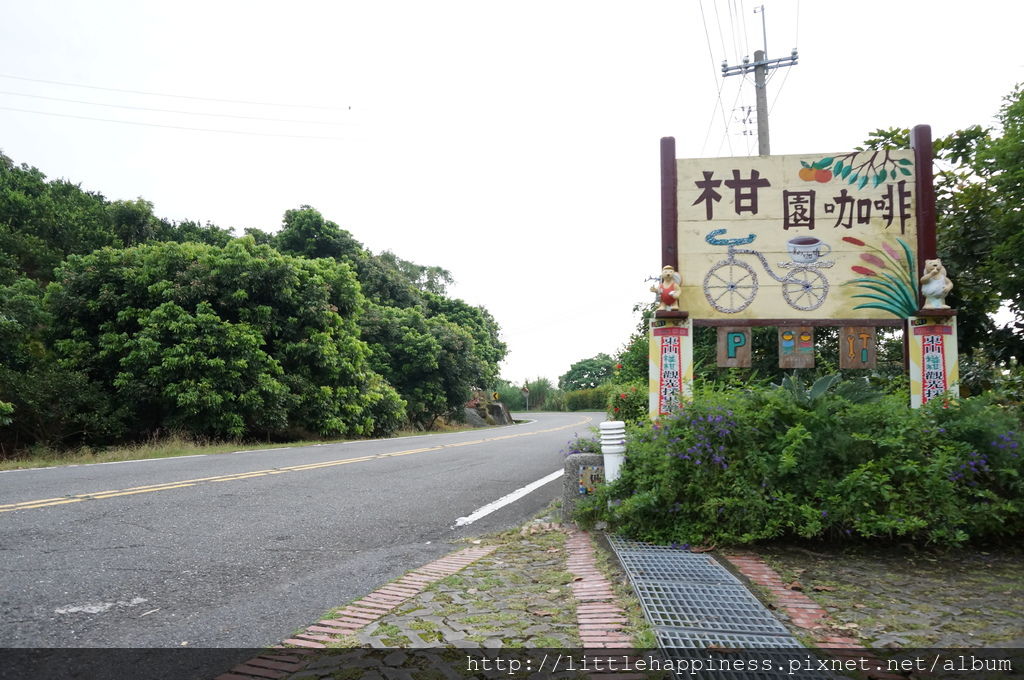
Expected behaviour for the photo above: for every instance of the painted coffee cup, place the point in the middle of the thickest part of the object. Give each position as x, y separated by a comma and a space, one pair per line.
807, 249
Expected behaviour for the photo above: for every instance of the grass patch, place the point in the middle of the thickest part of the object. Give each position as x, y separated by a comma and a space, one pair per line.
392, 635
171, 447
637, 626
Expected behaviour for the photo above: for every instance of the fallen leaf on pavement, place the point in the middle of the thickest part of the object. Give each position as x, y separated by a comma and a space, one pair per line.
795, 585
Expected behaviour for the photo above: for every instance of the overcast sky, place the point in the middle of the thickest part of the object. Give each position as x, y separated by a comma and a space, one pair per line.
515, 144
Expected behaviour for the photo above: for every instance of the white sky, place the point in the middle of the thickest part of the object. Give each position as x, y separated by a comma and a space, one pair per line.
515, 144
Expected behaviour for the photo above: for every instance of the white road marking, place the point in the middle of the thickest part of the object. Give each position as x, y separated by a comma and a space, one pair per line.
98, 608
505, 500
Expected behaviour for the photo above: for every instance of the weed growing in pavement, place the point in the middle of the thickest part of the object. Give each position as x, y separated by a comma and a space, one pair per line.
392, 635
453, 581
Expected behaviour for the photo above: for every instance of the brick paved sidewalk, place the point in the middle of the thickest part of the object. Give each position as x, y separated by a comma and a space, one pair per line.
537, 587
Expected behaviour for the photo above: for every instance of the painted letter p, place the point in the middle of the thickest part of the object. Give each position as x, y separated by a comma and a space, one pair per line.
733, 341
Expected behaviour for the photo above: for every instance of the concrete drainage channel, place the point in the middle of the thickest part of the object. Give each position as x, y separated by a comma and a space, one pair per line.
699, 609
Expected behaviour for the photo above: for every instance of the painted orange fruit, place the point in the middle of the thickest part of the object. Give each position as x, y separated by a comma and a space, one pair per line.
807, 174
822, 175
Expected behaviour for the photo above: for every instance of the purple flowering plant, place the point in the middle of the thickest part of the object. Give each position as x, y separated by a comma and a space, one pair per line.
739, 465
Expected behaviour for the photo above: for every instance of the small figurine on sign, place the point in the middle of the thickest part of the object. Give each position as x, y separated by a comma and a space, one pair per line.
935, 285
668, 289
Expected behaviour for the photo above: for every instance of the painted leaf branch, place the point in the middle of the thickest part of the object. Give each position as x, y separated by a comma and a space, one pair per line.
890, 284
877, 168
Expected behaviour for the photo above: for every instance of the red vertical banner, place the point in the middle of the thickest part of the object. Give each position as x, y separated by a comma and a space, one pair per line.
671, 365
934, 369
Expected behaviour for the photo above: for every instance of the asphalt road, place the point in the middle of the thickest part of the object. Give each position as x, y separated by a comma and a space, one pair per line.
242, 549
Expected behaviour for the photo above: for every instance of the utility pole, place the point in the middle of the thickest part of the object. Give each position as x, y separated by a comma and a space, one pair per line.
762, 64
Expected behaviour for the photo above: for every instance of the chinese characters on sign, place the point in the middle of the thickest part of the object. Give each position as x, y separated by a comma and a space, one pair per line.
933, 360
671, 357
799, 208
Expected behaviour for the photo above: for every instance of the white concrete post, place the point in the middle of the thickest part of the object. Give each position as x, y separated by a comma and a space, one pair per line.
613, 446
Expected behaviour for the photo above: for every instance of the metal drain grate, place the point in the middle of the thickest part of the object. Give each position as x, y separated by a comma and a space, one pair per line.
698, 607
686, 567
718, 607
688, 639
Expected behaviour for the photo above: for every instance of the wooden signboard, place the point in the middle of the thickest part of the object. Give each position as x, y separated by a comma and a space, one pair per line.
733, 347
796, 347
857, 347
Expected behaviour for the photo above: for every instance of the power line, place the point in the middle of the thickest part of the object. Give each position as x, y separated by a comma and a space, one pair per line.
796, 45
718, 20
720, 83
187, 113
176, 96
172, 127
746, 38
725, 135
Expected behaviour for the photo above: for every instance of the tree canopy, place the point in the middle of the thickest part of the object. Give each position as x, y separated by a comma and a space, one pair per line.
587, 373
116, 325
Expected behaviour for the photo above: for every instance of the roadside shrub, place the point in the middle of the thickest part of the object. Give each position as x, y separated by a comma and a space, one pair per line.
591, 399
581, 444
556, 401
742, 466
628, 402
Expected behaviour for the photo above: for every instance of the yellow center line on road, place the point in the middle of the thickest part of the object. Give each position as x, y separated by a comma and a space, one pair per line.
132, 493
133, 490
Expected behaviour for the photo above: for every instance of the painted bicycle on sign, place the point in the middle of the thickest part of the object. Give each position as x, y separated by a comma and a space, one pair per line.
731, 284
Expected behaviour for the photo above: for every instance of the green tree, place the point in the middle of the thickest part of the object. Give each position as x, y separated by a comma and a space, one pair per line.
510, 395
430, 361
154, 322
539, 388
195, 372
307, 233
426, 279
42, 222
487, 347
979, 187
587, 373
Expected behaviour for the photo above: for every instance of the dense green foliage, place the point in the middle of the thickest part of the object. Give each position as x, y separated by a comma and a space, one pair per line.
429, 360
628, 401
543, 395
116, 326
587, 373
835, 460
593, 399
979, 187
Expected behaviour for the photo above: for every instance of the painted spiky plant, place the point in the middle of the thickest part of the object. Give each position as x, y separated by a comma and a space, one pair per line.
892, 284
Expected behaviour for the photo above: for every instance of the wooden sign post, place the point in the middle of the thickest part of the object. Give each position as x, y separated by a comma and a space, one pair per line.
857, 347
734, 347
837, 239
796, 347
